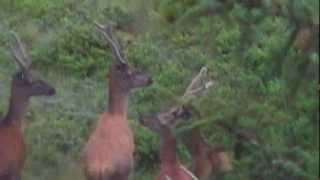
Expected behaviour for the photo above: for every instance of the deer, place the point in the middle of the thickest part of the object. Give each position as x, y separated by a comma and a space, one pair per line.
108, 153
170, 168
24, 85
207, 161
162, 123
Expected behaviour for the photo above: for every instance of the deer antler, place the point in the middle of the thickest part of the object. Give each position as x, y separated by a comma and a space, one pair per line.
18, 52
198, 87
114, 44
189, 173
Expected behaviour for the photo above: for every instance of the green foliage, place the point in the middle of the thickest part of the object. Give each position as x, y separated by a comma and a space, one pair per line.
264, 83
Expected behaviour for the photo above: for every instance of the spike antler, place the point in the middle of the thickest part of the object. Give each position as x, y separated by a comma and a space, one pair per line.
198, 87
114, 44
189, 173
18, 52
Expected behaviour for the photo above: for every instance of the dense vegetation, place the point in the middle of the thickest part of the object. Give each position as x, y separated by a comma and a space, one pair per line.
263, 55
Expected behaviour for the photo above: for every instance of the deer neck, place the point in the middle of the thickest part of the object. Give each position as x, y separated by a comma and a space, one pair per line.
197, 144
168, 148
198, 149
17, 109
118, 100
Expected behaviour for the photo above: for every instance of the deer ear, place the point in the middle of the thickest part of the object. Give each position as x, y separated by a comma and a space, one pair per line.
222, 160
225, 161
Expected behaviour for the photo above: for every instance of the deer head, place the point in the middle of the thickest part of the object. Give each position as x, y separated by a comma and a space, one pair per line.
198, 86
166, 119
121, 74
24, 83
221, 160
153, 123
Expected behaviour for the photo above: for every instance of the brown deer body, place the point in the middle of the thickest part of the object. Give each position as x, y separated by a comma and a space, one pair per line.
205, 160
201, 163
170, 168
109, 151
12, 143
161, 123
108, 155
12, 150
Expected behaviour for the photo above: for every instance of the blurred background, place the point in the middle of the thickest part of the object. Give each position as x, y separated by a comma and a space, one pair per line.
262, 54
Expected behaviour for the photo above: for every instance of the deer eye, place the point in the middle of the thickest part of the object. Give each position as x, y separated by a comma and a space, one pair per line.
122, 67
24, 77
21, 76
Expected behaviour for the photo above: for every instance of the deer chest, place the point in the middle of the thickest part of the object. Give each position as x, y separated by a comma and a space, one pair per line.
12, 149
110, 147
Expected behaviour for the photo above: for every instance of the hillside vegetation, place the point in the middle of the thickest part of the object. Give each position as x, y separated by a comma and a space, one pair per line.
262, 54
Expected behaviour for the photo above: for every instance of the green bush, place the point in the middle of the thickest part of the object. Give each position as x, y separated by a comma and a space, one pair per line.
264, 83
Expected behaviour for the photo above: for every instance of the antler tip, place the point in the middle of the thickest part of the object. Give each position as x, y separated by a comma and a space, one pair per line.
19, 52
98, 25
112, 41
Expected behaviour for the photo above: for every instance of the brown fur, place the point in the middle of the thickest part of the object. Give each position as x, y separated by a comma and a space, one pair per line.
12, 150
170, 165
12, 143
23, 86
206, 161
108, 155
109, 150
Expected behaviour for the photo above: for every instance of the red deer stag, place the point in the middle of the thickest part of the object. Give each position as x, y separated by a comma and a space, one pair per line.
108, 155
206, 161
161, 123
171, 168
24, 85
